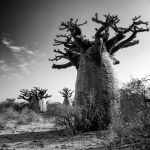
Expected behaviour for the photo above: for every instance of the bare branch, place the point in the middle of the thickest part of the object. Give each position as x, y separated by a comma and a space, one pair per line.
60, 52
63, 25
57, 58
64, 55
123, 43
58, 42
134, 26
132, 43
74, 50
47, 96
95, 19
76, 21
82, 23
114, 18
63, 66
111, 20
25, 94
113, 41
62, 35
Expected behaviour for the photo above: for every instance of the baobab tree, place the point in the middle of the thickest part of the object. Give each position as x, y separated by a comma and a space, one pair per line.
66, 93
94, 59
35, 97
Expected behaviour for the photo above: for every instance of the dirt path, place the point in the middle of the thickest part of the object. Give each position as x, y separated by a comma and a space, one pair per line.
43, 136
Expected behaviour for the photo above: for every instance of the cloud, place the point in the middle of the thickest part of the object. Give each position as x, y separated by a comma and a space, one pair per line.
27, 59
16, 49
29, 52
1, 61
25, 67
35, 63
10, 77
5, 68
36, 43
7, 41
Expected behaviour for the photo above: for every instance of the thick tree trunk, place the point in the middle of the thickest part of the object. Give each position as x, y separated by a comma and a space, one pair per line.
42, 105
66, 101
98, 74
34, 104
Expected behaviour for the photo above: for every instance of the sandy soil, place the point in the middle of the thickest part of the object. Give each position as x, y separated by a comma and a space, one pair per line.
44, 136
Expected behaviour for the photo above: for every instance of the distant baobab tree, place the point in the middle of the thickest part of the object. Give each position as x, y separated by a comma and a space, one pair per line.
94, 60
36, 98
66, 93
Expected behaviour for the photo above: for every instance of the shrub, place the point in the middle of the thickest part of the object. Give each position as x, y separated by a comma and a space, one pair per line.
27, 116
133, 132
64, 117
7, 115
9, 103
10, 114
79, 118
3, 122
52, 108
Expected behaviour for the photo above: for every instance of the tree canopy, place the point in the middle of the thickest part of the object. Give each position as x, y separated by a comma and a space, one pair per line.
76, 43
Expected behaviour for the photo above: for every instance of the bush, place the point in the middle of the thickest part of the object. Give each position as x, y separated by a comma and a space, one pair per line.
78, 118
27, 116
52, 108
9, 104
133, 132
10, 114
64, 117
3, 122
7, 115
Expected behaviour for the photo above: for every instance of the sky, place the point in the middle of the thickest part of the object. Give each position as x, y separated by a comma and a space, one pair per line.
27, 32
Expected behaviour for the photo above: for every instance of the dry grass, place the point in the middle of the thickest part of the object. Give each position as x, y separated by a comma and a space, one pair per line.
10, 111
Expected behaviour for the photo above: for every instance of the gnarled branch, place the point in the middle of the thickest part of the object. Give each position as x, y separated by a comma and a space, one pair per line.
123, 43
64, 55
132, 43
62, 66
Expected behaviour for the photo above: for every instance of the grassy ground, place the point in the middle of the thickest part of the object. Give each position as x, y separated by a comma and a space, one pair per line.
27, 129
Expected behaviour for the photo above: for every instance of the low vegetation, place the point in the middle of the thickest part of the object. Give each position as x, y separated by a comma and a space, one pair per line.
13, 111
132, 131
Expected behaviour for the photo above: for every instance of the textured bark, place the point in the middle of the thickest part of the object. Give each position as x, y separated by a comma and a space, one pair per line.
66, 101
34, 103
42, 105
94, 62
98, 74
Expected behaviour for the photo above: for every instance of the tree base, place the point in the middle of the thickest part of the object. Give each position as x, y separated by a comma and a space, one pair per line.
95, 125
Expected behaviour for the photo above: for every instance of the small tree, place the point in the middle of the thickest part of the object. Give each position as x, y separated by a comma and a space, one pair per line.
66, 93
33, 96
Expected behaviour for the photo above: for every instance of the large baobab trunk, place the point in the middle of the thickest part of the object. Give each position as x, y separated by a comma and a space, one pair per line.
94, 62
99, 75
